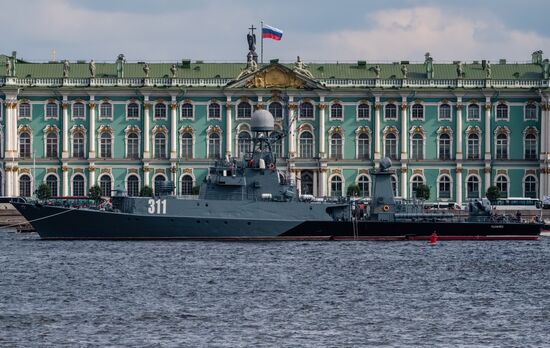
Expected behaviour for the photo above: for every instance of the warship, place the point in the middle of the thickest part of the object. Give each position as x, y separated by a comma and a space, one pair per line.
251, 198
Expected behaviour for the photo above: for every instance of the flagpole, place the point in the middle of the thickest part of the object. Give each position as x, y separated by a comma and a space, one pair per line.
262, 43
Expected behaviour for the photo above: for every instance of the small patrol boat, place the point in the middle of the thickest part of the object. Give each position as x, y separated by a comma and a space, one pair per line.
253, 199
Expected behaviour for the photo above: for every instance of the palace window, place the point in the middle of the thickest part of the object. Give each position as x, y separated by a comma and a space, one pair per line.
187, 110
444, 185
105, 145
244, 110
51, 110
530, 150
530, 112
473, 112
51, 145
417, 148
160, 146
394, 186
79, 110
214, 110
390, 112
502, 147
78, 185
363, 146
530, 186
132, 185
132, 110
24, 110
306, 110
105, 185
277, 147
363, 111
417, 112
416, 181
364, 185
444, 147
502, 112
502, 185
78, 145
444, 112
390, 146
306, 145
25, 145
106, 110
336, 186
472, 187
160, 111
132, 146
25, 186
186, 185
244, 144
336, 111
214, 146
336, 148
306, 182
276, 110
187, 145
473, 146
158, 182
51, 181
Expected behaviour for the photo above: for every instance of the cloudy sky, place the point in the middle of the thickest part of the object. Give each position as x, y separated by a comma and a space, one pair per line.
215, 30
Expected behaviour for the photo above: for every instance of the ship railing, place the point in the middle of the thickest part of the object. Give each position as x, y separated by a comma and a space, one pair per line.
188, 197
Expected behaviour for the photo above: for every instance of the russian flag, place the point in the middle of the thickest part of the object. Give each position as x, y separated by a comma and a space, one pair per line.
269, 32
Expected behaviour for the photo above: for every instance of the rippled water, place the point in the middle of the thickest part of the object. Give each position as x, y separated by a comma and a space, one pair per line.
277, 294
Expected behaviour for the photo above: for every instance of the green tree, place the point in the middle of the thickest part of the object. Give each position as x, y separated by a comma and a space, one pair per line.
146, 191
422, 192
353, 190
493, 193
196, 190
43, 191
95, 193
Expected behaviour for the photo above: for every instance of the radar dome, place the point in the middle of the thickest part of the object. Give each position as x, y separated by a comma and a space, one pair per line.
262, 121
385, 163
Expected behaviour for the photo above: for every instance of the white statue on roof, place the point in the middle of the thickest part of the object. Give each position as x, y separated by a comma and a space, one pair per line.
91, 66
301, 68
146, 69
66, 68
251, 66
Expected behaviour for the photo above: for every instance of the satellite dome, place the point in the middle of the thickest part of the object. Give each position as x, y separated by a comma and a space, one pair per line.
262, 121
385, 163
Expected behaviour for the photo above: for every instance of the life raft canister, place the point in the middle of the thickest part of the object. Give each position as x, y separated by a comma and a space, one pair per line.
386, 208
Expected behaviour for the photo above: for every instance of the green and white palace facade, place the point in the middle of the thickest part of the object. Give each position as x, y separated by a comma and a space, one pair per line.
456, 127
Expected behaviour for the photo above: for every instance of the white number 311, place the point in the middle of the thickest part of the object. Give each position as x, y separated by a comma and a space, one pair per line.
157, 206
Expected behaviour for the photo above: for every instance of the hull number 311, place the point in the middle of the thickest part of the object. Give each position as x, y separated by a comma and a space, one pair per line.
157, 206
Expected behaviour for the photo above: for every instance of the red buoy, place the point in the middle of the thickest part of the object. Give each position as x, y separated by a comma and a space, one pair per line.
433, 238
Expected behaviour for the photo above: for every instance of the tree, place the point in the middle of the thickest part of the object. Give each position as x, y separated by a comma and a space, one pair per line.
43, 191
146, 191
493, 193
353, 190
422, 192
95, 193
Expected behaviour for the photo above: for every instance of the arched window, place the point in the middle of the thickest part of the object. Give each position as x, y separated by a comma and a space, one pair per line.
363, 111
244, 110
394, 186
51, 145
78, 185
472, 187
214, 146
106, 145
417, 147
244, 144
306, 182
306, 110
214, 110
106, 110
277, 146
502, 185
417, 112
105, 185
364, 185
79, 111
160, 146
187, 185
336, 111
132, 110
25, 186
51, 110
390, 146
187, 110
444, 112
390, 111
336, 151
187, 145
132, 146
502, 112
24, 110
276, 109
363, 146
336, 186
306, 145
502, 147
444, 147
530, 112
132, 185
25, 145
51, 181
159, 179
444, 185
530, 186
473, 112
416, 181
78, 144
530, 149
473, 146
160, 111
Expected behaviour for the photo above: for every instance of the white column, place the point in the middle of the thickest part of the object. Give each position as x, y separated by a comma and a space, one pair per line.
65, 179
65, 129
146, 127
9, 182
322, 127
487, 171
11, 130
488, 137
173, 128
292, 129
404, 183
315, 184
146, 175
458, 197
323, 183
458, 128
92, 131
404, 130
376, 137
91, 175
299, 181
228, 127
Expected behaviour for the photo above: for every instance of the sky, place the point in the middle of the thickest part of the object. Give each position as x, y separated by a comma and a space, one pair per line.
317, 31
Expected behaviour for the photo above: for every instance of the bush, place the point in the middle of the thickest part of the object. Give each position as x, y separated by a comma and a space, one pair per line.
146, 191
95, 193
493, 193
422, 192
43, 191
353, 190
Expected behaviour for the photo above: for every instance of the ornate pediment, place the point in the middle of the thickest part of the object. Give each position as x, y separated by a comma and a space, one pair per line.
275, 76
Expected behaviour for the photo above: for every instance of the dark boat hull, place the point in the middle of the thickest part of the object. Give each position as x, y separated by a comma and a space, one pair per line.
64, 223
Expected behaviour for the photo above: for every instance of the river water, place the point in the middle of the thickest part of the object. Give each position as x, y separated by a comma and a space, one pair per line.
273, 294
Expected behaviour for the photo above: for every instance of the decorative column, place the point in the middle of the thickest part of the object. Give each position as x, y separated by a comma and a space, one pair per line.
173, 171
322, 127
173, 130
146, 127
404, 183
458, 197
404, 130
315, 184
487, 171
323, 183
65, 129
92, 132
11, 128
377, 128
228, 127
459, 128
488, 129
146, 175
9, 182
543, 149
91, 174
292, 129
65, 170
